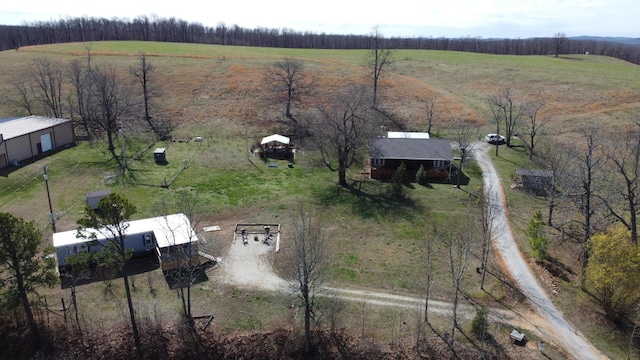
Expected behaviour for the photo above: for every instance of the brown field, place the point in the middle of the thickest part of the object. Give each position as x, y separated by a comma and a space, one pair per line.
219, 93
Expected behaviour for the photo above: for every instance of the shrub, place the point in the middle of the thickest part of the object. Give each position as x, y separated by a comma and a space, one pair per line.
396, 188
537, 239
480, 323
421, 176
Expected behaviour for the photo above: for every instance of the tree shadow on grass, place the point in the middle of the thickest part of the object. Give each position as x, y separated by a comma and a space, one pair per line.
558, 269
368, 199
495, 349
182, 279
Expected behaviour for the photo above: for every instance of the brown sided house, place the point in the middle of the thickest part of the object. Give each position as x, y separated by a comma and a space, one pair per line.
25, 137
386, 154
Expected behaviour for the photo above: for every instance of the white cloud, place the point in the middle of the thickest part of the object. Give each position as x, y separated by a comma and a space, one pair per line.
452, 18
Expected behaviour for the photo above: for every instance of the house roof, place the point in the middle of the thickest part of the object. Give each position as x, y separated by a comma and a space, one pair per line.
276, 138
169, 230
410, 149
15, 127
407, 135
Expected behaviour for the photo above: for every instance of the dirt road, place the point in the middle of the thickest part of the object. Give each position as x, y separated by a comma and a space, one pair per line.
558, 329
247, 266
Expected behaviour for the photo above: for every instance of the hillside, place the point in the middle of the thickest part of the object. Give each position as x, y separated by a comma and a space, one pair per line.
219, 93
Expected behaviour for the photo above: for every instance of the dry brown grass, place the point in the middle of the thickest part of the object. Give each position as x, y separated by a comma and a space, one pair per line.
221, 93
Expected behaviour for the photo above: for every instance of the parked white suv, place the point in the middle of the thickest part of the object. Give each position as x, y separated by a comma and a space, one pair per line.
495, 139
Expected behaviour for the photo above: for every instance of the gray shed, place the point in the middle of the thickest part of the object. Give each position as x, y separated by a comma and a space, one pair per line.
93, 197
534, 179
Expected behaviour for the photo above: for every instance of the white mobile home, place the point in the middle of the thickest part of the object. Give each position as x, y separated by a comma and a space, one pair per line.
167, 236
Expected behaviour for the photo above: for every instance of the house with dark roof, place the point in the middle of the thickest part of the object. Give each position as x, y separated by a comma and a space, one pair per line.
386, 154
25, 137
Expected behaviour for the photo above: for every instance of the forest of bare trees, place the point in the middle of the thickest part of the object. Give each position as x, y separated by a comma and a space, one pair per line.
144, 28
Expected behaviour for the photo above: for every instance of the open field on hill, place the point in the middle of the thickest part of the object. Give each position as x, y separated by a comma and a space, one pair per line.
375, 242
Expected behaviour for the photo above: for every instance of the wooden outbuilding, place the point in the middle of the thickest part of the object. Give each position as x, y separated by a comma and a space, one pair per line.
536, 180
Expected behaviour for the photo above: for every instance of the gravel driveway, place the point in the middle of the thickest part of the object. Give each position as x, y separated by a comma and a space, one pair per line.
558, 329
247, 266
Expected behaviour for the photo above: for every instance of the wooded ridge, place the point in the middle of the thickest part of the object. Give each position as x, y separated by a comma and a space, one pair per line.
143, 28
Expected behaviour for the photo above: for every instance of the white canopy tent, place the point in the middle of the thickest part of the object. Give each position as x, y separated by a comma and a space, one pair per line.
275, 138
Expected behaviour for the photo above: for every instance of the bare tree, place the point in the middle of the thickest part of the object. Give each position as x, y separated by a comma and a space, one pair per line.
557, 159
589, 161
431, 240
24, 94
622, 197
460, 242
505, 109
49, 78
430, 112
463, 134
110, 103
290, 82
533, 124
341, 131
488, 207
78, 102
186, 257
307, 264
559, 41
111, 221
88, 48
378, 59
143, 72
39, 90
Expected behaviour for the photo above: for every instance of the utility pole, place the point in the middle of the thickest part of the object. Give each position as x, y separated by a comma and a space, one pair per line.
53, 218
246, 130
124, 154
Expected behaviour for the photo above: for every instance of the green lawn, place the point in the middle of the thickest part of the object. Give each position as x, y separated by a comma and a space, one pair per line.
374, 241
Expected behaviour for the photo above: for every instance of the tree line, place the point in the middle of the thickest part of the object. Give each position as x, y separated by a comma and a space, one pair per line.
145, 28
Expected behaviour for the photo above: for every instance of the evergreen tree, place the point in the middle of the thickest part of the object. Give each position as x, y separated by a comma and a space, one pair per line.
421, 175
537, 240
480, 323
24, 264
396, 188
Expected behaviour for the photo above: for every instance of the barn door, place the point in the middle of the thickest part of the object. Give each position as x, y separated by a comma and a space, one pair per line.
45, 140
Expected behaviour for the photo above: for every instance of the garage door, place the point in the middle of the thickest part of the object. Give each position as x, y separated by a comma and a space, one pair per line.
45, 140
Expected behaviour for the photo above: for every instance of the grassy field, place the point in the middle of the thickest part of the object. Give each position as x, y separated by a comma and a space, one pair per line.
375, 242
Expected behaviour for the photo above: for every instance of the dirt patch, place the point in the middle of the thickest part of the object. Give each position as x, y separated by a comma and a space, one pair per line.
247, 265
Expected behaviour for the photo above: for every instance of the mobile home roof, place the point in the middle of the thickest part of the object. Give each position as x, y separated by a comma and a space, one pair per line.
169, 230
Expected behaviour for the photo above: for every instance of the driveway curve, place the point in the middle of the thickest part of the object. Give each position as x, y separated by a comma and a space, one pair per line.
558, 330
248, 266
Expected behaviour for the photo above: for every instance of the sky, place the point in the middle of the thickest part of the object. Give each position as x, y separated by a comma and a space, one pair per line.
402, 18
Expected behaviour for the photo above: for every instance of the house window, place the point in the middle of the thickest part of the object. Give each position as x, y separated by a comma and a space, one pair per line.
147, 240
438, 163
378, 162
